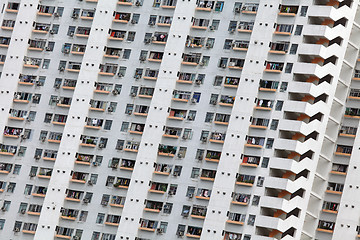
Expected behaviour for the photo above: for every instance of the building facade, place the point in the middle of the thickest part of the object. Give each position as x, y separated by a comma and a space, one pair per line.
168, 119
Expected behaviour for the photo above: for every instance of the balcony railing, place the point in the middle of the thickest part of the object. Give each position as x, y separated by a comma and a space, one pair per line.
241, 199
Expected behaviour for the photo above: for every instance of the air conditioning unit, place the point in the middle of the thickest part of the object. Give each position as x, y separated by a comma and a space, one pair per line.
191, 195
160, 230
200, 158
56, 14
133, 94
86, 200
114, 166
201, 63
180, 155
211, 28
232, 30
66, 51
37, 157
137, 77
147, 40
95, 164
110, 109
76, 237
198, 81
16, 229
223, 65
193, 100
176, 174
237, 10
32, 174
38, 83
204, 139
23, 211
115, 92
52, 32
151, 23
128, 112
120, 74
47, 49
71, 34
190, 118
138, 3
104, 203
75, 16
133, 21
213, 102
57, 86
185, 137
43, 139
142, 58
180, 233
101, 145
61, 69
90, 182
3, 209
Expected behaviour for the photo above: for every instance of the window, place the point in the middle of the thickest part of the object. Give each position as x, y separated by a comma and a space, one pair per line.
251, 220
93, 179
219, 6
167, 208
83, 216
279, 105
215, 24
136, 16
119, 144
303, 11
200, 154
55, 29
2, 223
126, 54
298, 29
11, 187
260, 181
17, 169
283, 86
108, 124
125, 126
195, 173
28, 189
6, 205
95, 236
274, 124
269, 143
218, 80
288, 68
22, 151
60, 11
293, 49
191, 115
190, 192
131, 36
209, 117
265, 162
228, 43
23, 207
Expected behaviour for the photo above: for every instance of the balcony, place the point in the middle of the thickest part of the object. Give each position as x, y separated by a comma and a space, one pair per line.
255, 142
222, 119
39, 191
4, 42
83, 159
148, 225
195, 42
74, 67
125, 2
45, 173
324, 226
112, 220
240, 199
55, 137
121, 17
250, 161
193, 232
212, 156
108, 69
12, 7
32, 62
198, 212
103, 88
206, 6
34, 210
249, 8
203, 194
159, 38
240, 45
284, 29
339, 169
155, 57
342, 150
288, 11
231, 82
69, 214
208, 175
245, 27
94, 123
191, 59
117, 201
98, 106
74, 196
87, 14
122, 183
245, 180
200, 24
79, 177
349, 132
236, 218
141, 110
41, 28
82, 32
63, 233
264, 104
153, 206
169, 4
46, 11
137, 128
232, 236
69, 84
268, 86
177, 114
330, 207
127, 164
274, 67
162, 169
12, 132
335, 188
236, 63
164, 21
113, 53
166, 150
132, 146
88, 141
160, 188
217, 137
59, 119
7, 150
117, 35
259, 123
49, 155
279, 47
78, 49
37, 45
172, 132
187, 78
8, 25
352, 113
181, 96
226, 101
146, 92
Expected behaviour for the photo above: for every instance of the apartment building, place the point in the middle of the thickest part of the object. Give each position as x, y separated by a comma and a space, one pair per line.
168, 119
